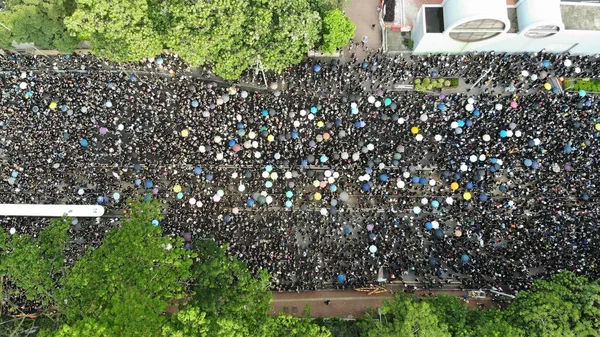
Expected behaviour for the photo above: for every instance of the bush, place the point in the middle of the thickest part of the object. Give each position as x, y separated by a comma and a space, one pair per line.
408, 43
417, 81
426, 80
454, 82
446, 83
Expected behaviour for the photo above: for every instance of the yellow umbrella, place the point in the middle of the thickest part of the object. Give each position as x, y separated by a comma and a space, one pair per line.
320, 124
548, 86
414, 130
467, 195
177, 188
454, 186
185, 133
317, 196
270, 138
53, 105
597, 127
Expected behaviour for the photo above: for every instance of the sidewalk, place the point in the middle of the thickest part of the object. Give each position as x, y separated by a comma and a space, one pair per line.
364, 14
348, 304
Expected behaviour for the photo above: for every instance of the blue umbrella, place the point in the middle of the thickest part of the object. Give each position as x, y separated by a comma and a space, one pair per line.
147, 197
304, 162
461, 123
323, 158
265, 113
83, 142
63, 108
476, 113
423, 181
428, 226
535, 164
555, 90
341, 278
546, 63
527, 162
503, 133
317, 68
465, 258
14, 174
269, 168
159, 60
383, 177
582, 93
179, 195
132, 78
366, 187
288, 203
195, 103
294, 134
415, 180
483, 197
148, 184
116, 196
435, 204
333, 188
368, 170
469, 122
155, 223
231, 142
100, 199
250, 202
441, 106
588, 103
372, 237
354, 111
198, 170
138, 182
209, 177
75, 221
313, 109
469, 186
439, 234
365, 64
347, 230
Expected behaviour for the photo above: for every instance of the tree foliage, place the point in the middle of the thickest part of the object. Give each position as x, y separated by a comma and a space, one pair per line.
128, 281
290, 326
451, 312
337, 30
32, 265
39, 22
118, 30
566, 305
406, 317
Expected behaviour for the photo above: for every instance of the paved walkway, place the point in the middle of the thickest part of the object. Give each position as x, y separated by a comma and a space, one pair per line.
348, 304
364, 14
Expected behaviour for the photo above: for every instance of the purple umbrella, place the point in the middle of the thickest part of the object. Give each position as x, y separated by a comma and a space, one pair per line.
370, 227
155, 190
103, 131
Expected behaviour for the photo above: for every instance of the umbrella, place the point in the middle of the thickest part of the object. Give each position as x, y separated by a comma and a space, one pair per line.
177, 188
116, 196
465, 258
435, 204
317, 68
582, 93
483, 197
155, 223
414, 130
317, 196
498, 106
373, 249
568, 63
366, 187
503, 133
288, 203
195, 103
467, 196
514, 104
185, 133
180, 195
83, 142
416, 209
148, 184
439, 234
387, 101
546, 63
103, 131
454, 186
428, 226
441, 106
341, 278
383, 177
527, 162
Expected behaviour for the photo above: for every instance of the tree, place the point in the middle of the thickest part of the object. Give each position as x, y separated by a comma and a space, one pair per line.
566, 305
290, 326
39, 22
405, 317
451, 312
119, 30
337, 30
127, 282
34, 266
492, 323
228, 294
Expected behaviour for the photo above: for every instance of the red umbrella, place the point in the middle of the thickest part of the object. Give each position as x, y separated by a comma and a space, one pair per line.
514, 104
237, 147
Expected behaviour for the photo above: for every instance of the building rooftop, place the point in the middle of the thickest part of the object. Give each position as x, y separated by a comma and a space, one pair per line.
580, 17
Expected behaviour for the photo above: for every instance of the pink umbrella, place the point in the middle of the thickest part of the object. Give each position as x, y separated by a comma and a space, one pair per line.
237, 147
370, 227
514, 104
442, 96
103, 131
155, 190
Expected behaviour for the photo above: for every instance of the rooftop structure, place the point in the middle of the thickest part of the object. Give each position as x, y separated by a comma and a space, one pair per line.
455, 26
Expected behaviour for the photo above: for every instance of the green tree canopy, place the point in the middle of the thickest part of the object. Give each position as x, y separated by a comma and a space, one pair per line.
337, 30
451, 312
120, 30
127, 282
405, 317
567, 305
39, 22
492, 323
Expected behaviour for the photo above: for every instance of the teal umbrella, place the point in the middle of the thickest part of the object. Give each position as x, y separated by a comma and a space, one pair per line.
387, 102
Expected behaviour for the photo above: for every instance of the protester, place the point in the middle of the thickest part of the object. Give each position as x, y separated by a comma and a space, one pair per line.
329, 180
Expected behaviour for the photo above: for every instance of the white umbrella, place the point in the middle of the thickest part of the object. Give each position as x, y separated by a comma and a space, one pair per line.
23, 85
577, 70
241, 188
473, 158
235, 210
400, 184
373, 249
486, 138
469, 107
464, 167
377, 104
370, 147
198, 203
192, 201
518, 134
220, 156
80, 191
323, 211
438, 138
534, 77
265, 174
454, 125
371, 100
449, 200
344, 196
435, 224
12, 231
406, 175
424, 201
432, 182
353, 104
217, 139
498, 106
509, 133
482, 157
424, 117
269, 199
471, 100
568, 63
524, 73
216, 198
419, 137
537, 142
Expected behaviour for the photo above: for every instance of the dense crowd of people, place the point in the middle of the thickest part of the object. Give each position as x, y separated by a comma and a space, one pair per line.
330, 180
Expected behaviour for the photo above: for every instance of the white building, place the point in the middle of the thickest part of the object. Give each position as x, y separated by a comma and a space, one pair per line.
458, 26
